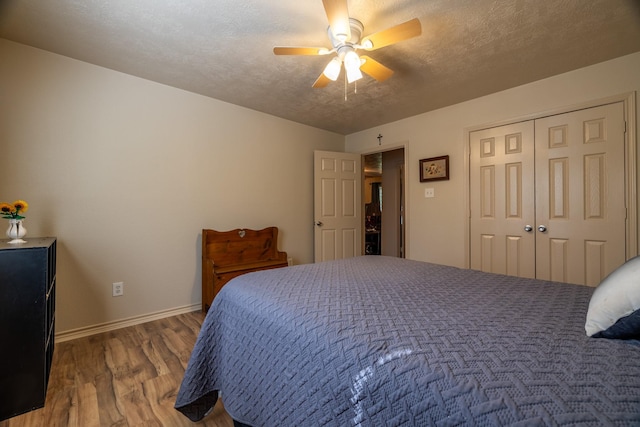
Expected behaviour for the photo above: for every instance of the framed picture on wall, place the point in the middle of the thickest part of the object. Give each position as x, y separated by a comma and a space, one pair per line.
434, 169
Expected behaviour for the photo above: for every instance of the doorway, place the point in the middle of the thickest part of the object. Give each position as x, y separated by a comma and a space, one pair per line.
383, 200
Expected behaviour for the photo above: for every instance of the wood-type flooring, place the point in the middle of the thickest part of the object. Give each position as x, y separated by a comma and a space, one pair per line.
127, 377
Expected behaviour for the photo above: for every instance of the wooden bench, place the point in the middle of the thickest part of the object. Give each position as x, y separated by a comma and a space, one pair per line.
228, 254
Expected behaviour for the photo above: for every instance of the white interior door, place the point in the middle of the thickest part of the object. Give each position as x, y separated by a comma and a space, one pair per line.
580, 195
502, 200
337, 207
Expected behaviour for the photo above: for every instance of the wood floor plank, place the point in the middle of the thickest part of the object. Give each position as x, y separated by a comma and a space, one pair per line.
161, 393
138, 408
109, 412
130, 369
176, 345
60, 407
88, 357
154, 358
65, 374
170, 359
87, 413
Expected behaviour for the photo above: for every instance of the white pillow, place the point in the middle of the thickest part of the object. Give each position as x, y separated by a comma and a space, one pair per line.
615, 298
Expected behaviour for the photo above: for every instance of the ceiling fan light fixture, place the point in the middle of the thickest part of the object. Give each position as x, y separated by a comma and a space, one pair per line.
345, 35
353, 75
332, 70
352, 66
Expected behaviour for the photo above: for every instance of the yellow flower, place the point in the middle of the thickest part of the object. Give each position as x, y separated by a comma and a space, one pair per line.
6, 208
21, 206
14, 210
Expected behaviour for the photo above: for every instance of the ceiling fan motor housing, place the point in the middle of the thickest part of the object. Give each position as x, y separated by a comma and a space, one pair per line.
356, 28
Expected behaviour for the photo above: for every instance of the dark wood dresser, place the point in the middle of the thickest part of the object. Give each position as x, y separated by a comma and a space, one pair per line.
27, 319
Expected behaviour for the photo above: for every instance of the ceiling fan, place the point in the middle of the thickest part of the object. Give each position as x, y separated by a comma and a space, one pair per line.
345, 34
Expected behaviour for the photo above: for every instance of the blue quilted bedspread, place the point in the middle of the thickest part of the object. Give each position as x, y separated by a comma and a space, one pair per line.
377, 341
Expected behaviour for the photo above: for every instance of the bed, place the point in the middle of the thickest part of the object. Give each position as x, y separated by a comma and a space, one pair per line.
379, 341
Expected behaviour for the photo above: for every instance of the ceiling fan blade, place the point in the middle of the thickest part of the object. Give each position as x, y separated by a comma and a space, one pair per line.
321, 81
375, 69
281, 50
338, 16
393, 35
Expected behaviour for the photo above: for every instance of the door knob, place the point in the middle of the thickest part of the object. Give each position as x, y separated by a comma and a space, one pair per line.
318, 223
528, 228
542, 228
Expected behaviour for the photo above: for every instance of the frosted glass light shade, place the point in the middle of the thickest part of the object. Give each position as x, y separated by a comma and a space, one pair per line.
352, 66
332, 70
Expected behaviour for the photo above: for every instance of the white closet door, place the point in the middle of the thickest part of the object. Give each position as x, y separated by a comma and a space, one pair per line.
562, 178
580, 194
501, 200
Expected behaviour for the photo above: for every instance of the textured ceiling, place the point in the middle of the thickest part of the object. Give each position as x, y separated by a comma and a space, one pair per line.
223, 48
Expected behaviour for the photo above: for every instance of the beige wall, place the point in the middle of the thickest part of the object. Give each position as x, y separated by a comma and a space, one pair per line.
436, 227
126, 173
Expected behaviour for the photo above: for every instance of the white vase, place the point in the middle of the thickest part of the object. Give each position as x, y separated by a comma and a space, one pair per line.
16, 231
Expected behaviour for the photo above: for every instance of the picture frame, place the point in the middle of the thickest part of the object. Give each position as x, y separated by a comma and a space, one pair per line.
434, 169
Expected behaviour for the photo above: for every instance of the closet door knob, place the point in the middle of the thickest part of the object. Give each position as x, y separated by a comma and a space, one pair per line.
318, 223
528, 228
542, 228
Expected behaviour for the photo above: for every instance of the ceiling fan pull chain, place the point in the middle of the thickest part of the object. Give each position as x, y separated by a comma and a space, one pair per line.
346, 88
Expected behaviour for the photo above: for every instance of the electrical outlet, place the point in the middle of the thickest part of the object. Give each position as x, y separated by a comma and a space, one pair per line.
429, 192
118, 289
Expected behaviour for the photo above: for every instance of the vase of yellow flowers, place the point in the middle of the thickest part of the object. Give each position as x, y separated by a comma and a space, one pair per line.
13, 212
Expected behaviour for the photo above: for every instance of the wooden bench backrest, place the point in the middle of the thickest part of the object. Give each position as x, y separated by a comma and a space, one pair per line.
240, 246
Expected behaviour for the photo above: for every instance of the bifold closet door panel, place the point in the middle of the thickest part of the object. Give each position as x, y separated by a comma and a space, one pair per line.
580, 194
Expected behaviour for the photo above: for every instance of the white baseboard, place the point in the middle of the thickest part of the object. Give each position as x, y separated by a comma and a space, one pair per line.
86, 331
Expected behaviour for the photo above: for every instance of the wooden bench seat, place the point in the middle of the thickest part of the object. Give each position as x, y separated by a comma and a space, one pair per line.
228, 254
